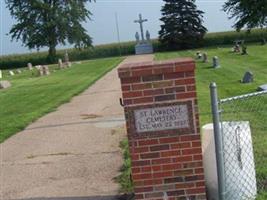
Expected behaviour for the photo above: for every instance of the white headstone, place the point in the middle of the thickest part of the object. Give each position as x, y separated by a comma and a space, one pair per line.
29, 66
5, 84
11, 73
60, 64
1, 75
46, 70
68, 64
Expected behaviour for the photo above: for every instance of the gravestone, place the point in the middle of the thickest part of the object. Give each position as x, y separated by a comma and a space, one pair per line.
11, 73
262, 87
248, 77
66, 57
38, 67
46, 71
199, 55
68, 64
60, 64
1, 75
205, 57
244, 50
5, 84
29, 66
40, 71
216, 63
237, 48
143, 46
162, 123
19, 71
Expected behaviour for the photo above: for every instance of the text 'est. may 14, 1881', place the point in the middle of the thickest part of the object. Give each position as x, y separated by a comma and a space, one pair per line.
161, 118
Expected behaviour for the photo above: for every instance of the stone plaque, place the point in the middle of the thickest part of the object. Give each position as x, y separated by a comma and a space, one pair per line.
162, 118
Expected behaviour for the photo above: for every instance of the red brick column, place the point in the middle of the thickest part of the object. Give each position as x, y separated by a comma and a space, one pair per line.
163, 129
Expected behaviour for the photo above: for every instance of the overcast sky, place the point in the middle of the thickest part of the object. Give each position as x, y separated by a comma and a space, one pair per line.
103, 26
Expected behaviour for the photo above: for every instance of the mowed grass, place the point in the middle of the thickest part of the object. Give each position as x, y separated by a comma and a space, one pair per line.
30, 96
233, 67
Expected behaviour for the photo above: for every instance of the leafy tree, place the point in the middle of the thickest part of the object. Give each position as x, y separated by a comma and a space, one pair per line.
48, 23
182, 24
247, 13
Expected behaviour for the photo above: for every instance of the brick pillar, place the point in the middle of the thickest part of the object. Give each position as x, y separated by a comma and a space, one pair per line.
163, 129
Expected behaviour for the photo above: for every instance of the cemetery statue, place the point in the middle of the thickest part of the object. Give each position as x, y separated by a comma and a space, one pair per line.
248, 77
147, 35
216, 63
144, 45
137, 37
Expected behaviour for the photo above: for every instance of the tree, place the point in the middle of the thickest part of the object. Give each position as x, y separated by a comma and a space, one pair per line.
48, 23
247, 13
182, 24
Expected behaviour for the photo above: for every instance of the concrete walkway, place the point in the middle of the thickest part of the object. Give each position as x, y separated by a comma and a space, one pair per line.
72, 153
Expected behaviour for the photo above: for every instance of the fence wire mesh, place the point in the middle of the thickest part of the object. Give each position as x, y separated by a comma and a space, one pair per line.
244, 131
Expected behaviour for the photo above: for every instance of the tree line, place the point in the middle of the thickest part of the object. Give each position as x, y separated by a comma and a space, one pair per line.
49, 23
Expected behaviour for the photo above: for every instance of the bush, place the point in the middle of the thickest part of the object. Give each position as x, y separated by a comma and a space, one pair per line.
127, 48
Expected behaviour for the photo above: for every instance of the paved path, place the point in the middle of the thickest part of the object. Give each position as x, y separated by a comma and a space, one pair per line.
72, 153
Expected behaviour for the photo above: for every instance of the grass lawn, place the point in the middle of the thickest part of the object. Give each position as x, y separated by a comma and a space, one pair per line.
30, 97
233, 66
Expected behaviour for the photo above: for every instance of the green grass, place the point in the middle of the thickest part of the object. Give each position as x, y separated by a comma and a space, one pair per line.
228, 79
124, 179
30, 96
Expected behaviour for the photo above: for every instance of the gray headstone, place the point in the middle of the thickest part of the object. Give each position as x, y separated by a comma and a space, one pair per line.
216, 63
11, 73
199, 55
68, 64
1, 75
46, 71
5, 84
248, 77
40, 71
29, 66
19, 71
262, 87
205, 57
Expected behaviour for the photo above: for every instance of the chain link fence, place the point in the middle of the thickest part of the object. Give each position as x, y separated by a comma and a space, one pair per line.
242, 126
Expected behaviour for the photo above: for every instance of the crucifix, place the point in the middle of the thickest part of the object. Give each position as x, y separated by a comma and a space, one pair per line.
141, 21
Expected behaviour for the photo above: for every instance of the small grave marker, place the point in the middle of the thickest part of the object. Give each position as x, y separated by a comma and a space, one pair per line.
1, 75
29, 66
5, 84
248, 77
262, 87
216, 63
19, 71
11, 73
205, 57
60, 64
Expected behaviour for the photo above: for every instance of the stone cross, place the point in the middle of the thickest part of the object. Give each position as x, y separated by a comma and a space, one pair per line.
141, 21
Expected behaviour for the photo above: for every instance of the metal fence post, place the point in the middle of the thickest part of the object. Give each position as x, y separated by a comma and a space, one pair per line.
218, 140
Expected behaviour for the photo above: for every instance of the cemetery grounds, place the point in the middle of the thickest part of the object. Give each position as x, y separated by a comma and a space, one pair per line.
31, 97
233, 67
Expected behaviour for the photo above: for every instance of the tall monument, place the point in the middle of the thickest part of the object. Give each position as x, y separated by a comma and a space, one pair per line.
144, 45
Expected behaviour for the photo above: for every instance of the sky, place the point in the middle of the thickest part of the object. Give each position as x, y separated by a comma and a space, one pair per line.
102, 28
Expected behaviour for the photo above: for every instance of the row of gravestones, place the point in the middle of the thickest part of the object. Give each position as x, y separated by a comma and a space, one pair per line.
247, 78
43, 70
